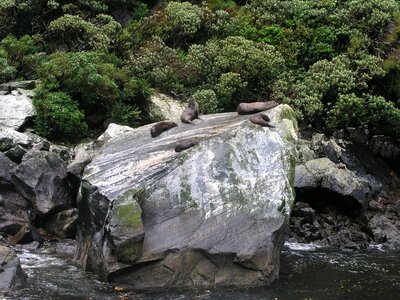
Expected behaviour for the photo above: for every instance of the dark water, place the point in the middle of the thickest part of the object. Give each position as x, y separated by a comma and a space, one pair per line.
305, 274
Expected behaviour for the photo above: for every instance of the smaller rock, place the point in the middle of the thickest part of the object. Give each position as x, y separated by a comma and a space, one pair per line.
5, 167
15, 111
114, 131
27, 234
304, 151
63, 224
10, 138
16, 153
385, 231
62, 151
359, 135
11, 274
41, 178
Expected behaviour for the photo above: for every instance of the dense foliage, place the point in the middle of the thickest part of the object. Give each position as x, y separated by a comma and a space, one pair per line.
337, 62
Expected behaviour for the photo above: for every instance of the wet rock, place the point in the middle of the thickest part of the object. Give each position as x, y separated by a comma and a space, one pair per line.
11, 223
11, 274
14, 212
63, 224
212, 215
41, 178
385, 231
27, 234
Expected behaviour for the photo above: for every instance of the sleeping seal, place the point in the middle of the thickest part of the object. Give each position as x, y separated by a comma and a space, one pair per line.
186, 144
255, 107
160, 127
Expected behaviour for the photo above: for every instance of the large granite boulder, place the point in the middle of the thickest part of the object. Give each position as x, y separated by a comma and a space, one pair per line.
11, 274
212, 215
42, 179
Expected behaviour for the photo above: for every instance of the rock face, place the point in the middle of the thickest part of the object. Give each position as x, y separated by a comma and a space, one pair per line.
11, 274
214, 214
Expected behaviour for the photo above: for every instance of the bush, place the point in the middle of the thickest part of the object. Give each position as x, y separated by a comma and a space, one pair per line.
235, 64
375, 111
78, 34
184, 18
22, 54
88, 77
58, 116
207, 100
125, 114
7, 72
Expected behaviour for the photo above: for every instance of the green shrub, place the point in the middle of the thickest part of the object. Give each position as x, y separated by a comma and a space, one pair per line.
125, 114
159, 65
78, 34
229, 84
375, 111
184, 18
7, 72
235, 64
207, 100
22, 54
87, 77
58, 116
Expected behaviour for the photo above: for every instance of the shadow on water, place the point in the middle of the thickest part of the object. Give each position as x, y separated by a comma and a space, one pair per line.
305, 274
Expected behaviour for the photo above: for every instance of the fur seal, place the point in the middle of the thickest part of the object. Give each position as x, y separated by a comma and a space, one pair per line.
186, 144
262, 120
191, 112
160, 127
255, 107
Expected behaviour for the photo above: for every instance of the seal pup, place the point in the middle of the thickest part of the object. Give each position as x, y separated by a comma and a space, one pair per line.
191, 112
255, 107
262, 120
186, 144
160, 127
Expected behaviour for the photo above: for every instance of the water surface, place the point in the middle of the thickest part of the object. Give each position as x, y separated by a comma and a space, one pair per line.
306, 272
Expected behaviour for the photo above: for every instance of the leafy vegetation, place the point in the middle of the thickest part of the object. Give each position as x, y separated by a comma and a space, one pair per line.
336, 62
